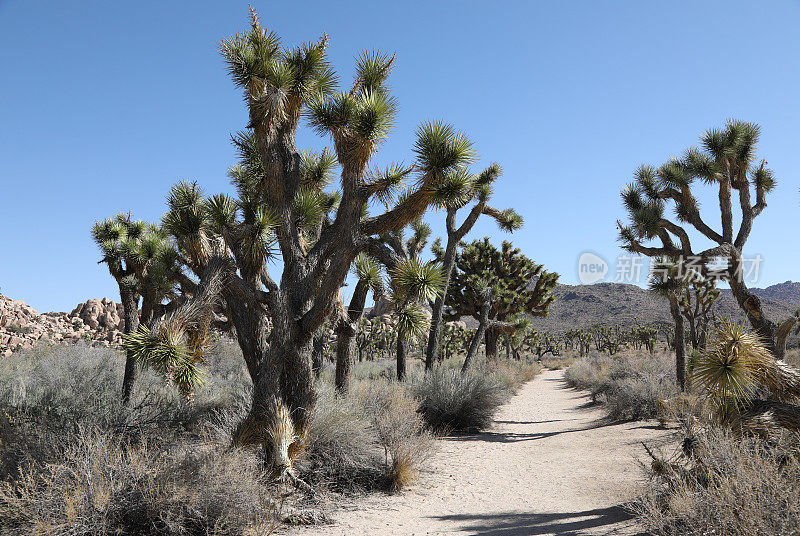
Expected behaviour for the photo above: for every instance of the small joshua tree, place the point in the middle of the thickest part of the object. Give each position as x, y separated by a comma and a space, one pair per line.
144, 263
505, 281
668, 281
727, 161
457, 192
414, 283
696, 304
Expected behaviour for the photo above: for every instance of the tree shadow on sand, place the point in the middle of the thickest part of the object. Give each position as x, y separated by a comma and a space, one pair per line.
597, 521
513, 437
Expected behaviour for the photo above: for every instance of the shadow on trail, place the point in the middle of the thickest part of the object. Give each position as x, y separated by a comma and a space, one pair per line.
533, 422
513, 437
522, 524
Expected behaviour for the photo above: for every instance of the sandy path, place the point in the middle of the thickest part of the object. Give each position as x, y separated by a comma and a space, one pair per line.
548, 466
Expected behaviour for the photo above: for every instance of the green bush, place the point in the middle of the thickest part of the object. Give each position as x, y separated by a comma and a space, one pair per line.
451, 401
629, 384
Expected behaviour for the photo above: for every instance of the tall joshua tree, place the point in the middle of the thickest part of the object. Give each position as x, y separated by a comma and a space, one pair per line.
278, 207
516, 285
144, 263
457, 192
727, 162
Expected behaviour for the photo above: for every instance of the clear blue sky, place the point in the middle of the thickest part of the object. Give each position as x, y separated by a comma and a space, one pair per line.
106, 104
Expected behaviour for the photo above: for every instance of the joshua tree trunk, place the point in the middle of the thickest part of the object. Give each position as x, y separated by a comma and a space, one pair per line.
318, 354
483, 322
130, 306
401, 359
345, 342
346, 330
491, 336
751, 305
435, 334
679, 343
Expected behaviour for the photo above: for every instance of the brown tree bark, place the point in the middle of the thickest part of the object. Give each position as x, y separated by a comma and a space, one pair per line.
130, 306
679, 343
401, 359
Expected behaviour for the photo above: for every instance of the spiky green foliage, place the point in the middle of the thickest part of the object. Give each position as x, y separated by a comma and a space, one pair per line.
750, 389
414, 282
519, 285
368, 271
139, 255
172, 359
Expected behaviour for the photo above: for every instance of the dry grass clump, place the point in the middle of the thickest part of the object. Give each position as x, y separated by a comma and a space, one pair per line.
101, 486
727, 485
630, 385
341, 452
73, 460
451, 401
401, 432
370, 439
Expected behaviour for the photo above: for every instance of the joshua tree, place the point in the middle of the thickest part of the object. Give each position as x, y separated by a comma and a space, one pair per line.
727, 161
280, 206
369, 277
413, 284
668, 281
144, 262
544, 343
696, 301
515, 285
458, 191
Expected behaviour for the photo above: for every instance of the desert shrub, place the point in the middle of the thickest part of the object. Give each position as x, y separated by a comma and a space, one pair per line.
341, 451
451, 401
630, 385
372, 438
49, 393
587, 372
512, 373
101, 486
729, 485
401, 432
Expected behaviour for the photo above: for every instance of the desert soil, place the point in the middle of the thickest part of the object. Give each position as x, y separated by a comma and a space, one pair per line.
549, 465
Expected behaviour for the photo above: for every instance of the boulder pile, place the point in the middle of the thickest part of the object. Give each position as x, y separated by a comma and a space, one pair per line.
97, 322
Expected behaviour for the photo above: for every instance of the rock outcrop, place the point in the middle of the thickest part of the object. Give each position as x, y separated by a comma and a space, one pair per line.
96, 322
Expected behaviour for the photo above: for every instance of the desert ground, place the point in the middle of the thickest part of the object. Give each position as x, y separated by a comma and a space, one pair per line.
551, 464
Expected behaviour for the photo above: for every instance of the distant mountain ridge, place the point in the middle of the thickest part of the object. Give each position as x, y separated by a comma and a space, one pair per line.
580, 306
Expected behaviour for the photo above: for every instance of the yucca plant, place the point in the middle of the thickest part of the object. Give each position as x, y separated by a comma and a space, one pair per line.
748, 387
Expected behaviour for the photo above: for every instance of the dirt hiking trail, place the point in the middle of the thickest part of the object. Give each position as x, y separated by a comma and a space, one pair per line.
550, 465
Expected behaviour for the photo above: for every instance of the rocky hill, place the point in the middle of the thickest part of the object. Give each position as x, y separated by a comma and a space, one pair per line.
96, 321
581, 306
